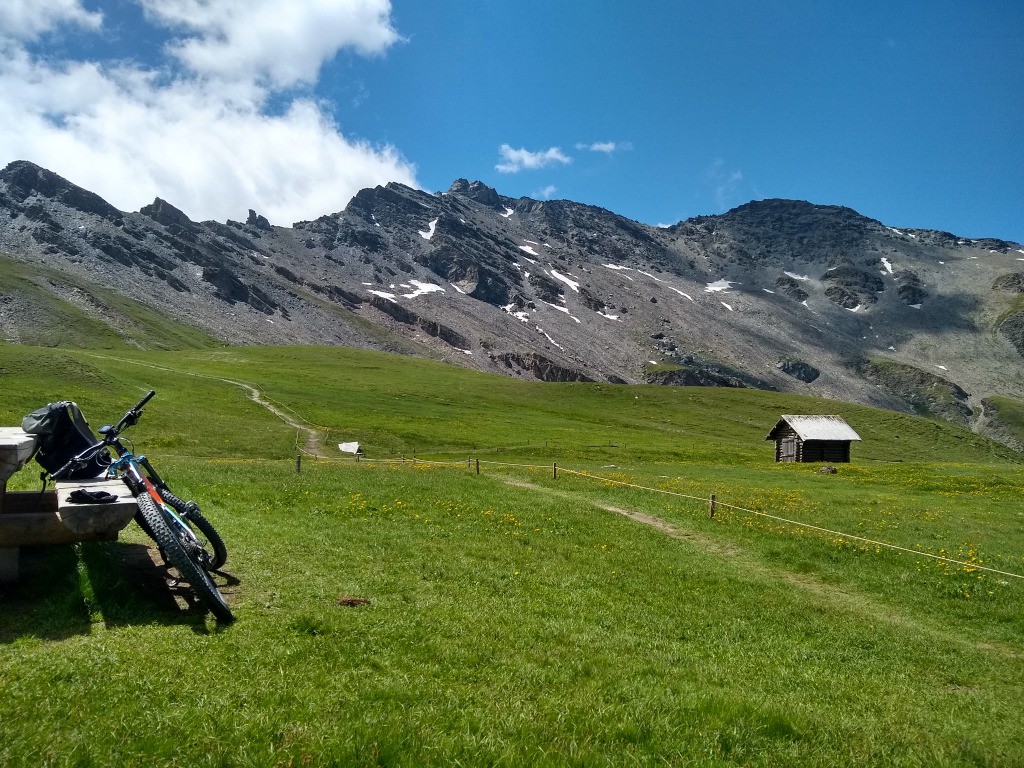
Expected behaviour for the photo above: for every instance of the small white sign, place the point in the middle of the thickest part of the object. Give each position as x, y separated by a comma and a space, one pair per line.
349, 447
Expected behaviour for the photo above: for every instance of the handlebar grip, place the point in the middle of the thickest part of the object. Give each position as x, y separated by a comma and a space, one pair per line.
132, 416
144, 400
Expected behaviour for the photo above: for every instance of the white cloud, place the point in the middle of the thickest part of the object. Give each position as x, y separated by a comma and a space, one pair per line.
515, 160
606, 147
545, 193
282, 42
208, 145
27, 19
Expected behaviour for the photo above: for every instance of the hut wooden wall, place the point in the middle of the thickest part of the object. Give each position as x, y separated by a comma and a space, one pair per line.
789, 447
832, 451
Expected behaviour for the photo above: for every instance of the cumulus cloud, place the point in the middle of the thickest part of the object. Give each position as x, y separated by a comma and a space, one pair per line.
28, 19
515, 160
545, 193
283, 42
202, 138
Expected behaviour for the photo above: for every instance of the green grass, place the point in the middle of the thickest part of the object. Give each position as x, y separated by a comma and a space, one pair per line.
114, 322
930, 395
1009, 415
1014, 305
515, 618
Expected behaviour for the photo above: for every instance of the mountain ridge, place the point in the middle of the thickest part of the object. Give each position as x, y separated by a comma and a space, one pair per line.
774, 294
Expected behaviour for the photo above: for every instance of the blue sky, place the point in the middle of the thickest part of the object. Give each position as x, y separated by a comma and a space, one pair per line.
909, 112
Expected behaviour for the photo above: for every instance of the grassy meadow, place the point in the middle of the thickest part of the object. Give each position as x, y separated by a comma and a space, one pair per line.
515, 618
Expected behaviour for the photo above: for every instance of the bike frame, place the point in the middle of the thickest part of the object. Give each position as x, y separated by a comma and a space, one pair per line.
129, 467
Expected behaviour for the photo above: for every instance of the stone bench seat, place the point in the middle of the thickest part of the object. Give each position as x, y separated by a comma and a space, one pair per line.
30, 518
16, 448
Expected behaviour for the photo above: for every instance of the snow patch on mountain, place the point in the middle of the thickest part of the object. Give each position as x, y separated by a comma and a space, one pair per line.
565, 279
562, 309
420, 288
520, 315
681, 293
719, 285
546, 336
429, 232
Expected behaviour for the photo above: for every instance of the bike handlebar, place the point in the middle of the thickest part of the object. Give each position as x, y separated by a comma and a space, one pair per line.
133, 414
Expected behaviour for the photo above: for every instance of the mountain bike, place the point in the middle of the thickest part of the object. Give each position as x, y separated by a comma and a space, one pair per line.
186, 539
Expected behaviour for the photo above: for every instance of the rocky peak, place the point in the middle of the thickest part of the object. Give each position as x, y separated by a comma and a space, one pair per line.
255, 220
791, 216
164, 213
362, 203
384, 205
25, 179
775, 230
476, 190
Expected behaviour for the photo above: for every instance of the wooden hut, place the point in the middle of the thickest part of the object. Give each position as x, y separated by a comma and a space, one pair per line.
813, 438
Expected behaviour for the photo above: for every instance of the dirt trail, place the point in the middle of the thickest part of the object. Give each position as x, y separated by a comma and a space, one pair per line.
834, 597
313, 441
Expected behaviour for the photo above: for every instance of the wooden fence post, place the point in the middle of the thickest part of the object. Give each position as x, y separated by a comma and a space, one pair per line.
554, 471
298, 463
711, 506
478, 466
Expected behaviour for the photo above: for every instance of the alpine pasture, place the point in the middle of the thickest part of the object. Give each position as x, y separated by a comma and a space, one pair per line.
421, 613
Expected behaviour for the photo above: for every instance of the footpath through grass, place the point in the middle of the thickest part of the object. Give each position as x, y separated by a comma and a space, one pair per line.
514, 618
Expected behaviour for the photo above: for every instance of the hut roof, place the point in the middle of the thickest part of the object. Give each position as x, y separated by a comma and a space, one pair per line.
816, 428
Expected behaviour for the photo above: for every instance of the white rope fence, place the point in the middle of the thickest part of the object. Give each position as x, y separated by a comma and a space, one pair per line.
797, 523
714, 502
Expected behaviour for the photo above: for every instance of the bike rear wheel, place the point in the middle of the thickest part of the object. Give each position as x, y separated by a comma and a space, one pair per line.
176, 553
191, 512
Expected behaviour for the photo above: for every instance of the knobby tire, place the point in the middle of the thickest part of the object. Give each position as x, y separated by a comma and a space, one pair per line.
191, 512
176, 554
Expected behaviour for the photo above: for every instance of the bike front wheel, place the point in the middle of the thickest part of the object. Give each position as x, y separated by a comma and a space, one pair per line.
190, 511
176, 552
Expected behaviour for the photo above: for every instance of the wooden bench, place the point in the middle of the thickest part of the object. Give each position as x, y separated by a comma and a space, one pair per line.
33, 517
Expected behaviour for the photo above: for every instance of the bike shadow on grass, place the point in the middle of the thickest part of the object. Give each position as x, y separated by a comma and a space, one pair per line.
64, 590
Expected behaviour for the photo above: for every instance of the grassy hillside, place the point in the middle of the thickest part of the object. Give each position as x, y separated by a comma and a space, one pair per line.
398, 405
516, 618
53, 309
1008, 415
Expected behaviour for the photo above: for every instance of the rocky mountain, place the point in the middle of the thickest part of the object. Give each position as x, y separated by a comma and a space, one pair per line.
775, 294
